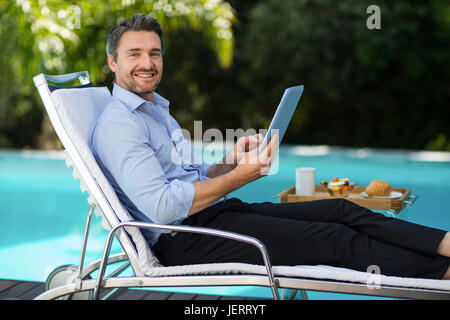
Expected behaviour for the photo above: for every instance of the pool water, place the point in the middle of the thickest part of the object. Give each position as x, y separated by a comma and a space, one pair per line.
43, 211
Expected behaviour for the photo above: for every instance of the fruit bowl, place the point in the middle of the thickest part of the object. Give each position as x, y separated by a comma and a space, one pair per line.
338, 187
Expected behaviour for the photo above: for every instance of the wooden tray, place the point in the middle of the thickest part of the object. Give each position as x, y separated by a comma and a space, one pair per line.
289, 195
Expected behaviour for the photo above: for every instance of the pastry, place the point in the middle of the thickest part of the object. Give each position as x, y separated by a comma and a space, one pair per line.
378, 188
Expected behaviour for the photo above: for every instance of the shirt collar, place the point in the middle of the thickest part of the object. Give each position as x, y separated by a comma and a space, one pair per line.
132, 101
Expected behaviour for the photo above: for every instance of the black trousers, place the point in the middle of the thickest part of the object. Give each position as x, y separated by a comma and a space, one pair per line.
332, 232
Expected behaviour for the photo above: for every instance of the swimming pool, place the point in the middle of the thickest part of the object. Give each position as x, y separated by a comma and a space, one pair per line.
43, 212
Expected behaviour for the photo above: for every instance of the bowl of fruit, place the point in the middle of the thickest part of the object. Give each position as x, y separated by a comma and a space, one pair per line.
339, 187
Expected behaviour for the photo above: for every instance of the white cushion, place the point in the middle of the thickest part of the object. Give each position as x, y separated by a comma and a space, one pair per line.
79, 110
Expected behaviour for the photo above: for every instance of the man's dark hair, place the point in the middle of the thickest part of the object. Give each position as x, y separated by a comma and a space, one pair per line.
138, 22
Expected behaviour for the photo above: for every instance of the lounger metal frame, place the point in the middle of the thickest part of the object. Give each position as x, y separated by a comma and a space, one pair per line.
100, 203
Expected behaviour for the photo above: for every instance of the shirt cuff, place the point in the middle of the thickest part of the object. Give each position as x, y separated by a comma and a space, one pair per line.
205, 168
183, 196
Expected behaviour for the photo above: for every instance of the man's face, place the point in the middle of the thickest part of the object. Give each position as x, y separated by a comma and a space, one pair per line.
139, 64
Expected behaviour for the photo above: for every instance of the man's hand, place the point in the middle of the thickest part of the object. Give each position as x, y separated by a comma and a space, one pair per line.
252, 166
242, 146
230, 161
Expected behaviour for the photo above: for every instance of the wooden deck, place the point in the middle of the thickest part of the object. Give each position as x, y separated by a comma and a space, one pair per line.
28, 290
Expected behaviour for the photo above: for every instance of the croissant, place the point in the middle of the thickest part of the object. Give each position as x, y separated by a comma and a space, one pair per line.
378, 188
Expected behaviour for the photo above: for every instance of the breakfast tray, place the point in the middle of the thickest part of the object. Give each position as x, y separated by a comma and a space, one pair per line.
394, 206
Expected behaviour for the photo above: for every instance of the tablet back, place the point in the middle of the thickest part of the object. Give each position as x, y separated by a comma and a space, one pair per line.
283, 115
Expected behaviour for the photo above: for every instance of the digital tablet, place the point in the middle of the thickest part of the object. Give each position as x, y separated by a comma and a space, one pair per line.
283, 115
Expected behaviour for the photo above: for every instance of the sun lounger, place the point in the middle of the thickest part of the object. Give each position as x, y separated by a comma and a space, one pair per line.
73, 113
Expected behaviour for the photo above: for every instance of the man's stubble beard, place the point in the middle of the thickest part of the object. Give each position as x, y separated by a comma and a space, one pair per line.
135, 88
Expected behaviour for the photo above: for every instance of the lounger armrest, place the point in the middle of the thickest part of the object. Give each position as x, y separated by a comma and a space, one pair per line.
178, 228
83, 76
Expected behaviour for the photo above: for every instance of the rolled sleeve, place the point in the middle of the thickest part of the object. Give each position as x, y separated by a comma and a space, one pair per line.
204, 168
175, 201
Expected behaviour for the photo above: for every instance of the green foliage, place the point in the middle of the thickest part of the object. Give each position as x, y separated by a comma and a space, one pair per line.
441, 143
385, 88
365, 88
377, 88
57, 36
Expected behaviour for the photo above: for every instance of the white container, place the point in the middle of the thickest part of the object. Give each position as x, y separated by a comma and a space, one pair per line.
305, 181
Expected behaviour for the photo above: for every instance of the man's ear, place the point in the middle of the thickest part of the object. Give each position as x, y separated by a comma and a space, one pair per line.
112, 63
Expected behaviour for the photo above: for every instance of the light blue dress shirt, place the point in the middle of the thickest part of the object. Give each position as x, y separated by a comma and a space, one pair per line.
141, 150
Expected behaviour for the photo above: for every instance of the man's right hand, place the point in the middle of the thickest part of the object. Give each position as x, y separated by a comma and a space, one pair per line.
250, 167
253, 166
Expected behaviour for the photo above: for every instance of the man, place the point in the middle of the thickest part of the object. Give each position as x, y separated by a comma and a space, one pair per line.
136, 144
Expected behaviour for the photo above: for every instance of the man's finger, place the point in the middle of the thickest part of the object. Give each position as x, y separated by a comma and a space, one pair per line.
260, 137
272, 145
269, 151
253, 142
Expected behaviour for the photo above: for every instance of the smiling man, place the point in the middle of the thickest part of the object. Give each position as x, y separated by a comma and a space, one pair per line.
141, 63
135, 141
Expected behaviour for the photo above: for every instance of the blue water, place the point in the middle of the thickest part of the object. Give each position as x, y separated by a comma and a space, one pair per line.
43, 211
